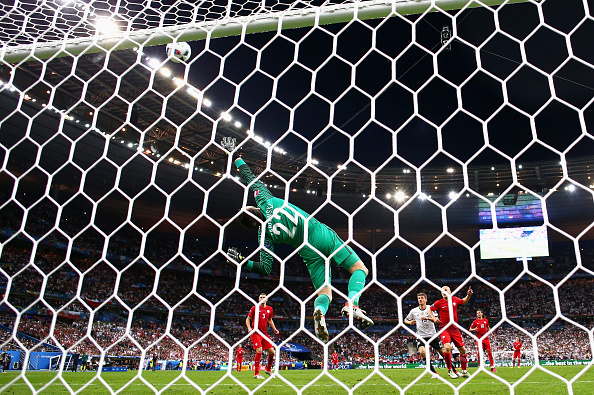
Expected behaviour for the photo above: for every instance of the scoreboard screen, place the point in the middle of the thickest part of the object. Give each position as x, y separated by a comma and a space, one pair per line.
528, 241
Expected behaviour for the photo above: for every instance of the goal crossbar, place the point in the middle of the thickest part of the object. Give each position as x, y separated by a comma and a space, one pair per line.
258, 23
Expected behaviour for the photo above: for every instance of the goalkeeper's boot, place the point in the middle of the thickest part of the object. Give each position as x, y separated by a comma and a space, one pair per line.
358, 314
320, 326
452, 374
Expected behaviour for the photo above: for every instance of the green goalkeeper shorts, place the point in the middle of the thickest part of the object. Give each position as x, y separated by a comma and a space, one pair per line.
326, 241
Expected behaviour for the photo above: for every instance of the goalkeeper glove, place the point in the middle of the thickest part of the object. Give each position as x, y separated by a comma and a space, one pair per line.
235, 255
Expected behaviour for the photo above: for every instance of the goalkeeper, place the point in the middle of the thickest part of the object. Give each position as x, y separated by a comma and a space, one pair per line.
286, 223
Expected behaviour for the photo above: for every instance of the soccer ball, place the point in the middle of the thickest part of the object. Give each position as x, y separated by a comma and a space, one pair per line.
179, 51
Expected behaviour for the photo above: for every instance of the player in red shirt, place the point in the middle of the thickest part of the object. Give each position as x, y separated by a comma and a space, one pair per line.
334, 360
239, 356
451, 334
260, 339
517, 352
481, 327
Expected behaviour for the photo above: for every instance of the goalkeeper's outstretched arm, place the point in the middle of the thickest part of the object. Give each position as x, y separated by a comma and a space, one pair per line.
261, 191
262, 194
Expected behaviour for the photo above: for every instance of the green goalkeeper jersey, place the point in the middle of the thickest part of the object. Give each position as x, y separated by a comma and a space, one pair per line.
285, 222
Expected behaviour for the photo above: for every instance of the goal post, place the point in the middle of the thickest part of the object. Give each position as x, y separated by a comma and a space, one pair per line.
258, 22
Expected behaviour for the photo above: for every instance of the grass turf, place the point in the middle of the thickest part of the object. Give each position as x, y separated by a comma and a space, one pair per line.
535, 382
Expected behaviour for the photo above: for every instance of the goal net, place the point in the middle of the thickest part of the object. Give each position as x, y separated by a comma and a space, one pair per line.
445, 142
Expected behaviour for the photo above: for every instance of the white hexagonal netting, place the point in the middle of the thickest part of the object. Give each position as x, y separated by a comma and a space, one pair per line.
393, 148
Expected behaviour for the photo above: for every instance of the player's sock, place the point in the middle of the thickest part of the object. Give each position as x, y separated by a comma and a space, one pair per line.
448, 359
270, 362
431, 367
463, 362
257, 364
322, 302
356, 284
491, 359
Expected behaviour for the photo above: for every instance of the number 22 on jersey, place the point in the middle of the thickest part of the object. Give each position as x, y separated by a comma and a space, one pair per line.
278, 227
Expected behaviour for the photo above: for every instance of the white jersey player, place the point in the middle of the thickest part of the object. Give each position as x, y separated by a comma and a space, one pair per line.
425, 320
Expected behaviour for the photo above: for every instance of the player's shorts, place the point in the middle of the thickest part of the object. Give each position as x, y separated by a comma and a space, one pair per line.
452, 335
326, 241
434, 344
517, 354
259, 341
486, 344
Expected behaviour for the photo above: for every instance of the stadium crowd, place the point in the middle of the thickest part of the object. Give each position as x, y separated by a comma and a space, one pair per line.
560, 343
125, 289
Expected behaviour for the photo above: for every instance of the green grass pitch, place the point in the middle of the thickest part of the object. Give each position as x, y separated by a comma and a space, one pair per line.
537, 382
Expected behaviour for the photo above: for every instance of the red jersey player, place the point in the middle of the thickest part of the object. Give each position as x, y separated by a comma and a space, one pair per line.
261, 340
517, 352
481, 327
451, 334
334, 360
239, 356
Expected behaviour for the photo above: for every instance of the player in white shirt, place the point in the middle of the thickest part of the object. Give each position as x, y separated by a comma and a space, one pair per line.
425, 320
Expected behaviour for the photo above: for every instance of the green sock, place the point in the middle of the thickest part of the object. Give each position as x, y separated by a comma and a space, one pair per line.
356, 284
322, 302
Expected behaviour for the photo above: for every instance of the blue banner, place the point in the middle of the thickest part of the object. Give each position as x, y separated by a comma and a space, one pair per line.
293, 347
41, 360
114, 369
